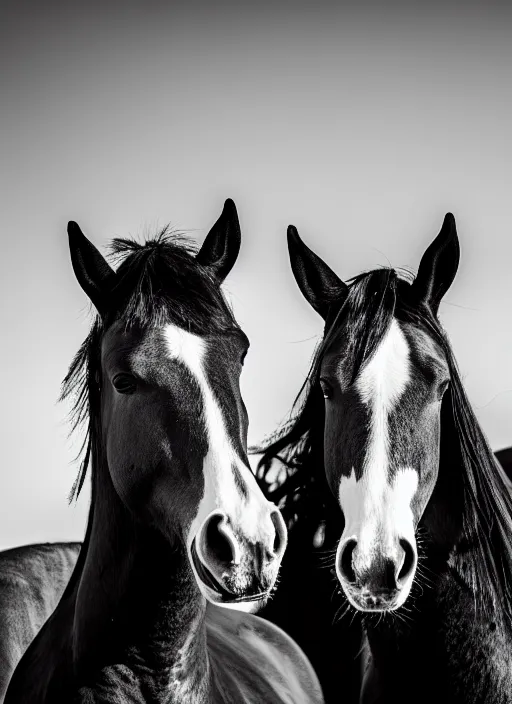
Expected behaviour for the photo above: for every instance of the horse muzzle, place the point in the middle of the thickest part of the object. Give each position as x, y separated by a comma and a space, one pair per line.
232, 569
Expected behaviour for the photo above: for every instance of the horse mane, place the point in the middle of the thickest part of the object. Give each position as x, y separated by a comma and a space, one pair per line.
158, 281
299, 486
487, 511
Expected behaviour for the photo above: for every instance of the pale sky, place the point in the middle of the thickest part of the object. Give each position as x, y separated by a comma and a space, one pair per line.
360, 125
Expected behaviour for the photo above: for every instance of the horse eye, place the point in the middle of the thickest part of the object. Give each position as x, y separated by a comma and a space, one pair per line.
124, 383
326, 388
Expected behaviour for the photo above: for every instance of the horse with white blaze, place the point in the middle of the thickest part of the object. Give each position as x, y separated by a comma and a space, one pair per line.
387, 468
178, 529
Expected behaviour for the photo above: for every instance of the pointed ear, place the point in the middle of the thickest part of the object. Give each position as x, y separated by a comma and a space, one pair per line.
319, 284
438, 266
220, 249
94, 274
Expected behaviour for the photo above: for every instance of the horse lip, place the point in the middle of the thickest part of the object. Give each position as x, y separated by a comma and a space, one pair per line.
378, 608
377, 604
210, 581
372, 602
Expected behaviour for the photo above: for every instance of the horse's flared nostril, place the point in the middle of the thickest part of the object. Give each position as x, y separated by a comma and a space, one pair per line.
345, 565
408, 561
219, 543
281, 534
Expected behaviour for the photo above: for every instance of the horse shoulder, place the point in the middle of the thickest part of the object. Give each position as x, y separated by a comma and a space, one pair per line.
32, 580
258, 661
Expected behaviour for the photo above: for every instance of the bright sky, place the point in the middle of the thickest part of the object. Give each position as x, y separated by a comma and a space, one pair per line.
362, 127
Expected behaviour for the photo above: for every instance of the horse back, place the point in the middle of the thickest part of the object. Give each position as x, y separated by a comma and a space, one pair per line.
32, 580
255, 661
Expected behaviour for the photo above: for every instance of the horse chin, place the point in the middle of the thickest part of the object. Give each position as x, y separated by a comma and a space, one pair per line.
367, 602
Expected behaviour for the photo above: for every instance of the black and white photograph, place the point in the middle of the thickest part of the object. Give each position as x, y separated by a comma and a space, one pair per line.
256, 313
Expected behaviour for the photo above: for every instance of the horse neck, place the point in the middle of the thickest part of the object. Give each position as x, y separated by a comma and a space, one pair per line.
136, 602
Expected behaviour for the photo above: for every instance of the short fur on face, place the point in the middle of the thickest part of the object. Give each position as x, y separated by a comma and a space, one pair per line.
381, 453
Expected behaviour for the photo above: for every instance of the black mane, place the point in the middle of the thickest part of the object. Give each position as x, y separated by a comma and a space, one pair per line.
157, 280
301, 489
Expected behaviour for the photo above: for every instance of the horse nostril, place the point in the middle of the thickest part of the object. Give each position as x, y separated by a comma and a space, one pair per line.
280, 537
345, 563
409, 559
219, 541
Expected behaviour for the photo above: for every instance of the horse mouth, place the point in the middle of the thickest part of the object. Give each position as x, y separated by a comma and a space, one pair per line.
210, 581
374, 603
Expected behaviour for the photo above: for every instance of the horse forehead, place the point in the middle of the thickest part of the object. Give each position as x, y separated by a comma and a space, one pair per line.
143, 346
380, 384
385, 376
186, 347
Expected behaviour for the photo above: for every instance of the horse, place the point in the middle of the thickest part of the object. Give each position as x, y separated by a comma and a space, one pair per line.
386, 465
43, 571
32, 580
181, 545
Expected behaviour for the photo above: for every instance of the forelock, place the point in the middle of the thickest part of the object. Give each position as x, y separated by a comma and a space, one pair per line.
160, 281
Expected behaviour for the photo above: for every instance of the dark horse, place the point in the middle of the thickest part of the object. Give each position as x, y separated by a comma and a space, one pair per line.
386, 466
178, 528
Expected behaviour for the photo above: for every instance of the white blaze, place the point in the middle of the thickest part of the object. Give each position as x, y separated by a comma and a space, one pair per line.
220, 489
378, 510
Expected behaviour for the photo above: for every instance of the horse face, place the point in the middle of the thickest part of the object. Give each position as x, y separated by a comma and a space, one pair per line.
381, 449
176, 433
382, 410
174, 426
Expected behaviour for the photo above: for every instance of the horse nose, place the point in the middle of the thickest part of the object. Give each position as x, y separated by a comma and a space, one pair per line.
345, 562
218, 544
382, 573
223, 550
281, 534
408, 560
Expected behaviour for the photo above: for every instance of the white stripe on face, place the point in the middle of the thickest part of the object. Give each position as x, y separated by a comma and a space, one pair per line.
377, 529
220, 489
377, 511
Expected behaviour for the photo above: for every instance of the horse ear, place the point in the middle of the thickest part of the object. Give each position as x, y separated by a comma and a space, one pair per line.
319, 284
221, 246
94, 274
438, 266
